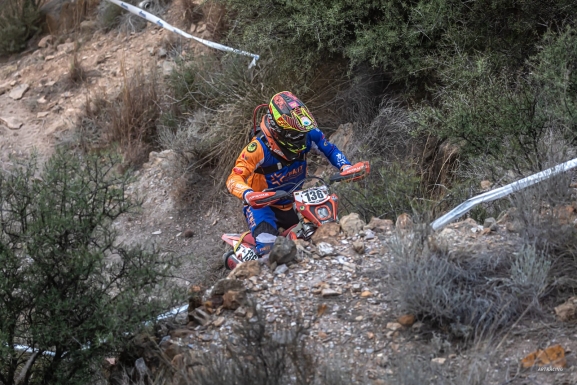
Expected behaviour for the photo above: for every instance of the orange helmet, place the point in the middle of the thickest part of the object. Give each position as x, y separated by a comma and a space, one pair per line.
287, 124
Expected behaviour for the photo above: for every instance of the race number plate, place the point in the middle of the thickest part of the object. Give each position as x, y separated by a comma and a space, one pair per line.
246, 253
312, 195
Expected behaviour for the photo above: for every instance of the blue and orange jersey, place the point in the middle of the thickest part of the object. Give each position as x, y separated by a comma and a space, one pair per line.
258, 157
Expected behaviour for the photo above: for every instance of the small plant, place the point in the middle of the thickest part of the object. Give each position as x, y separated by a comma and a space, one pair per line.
77, 73
68, 291
19, 21
262, 356
129, 121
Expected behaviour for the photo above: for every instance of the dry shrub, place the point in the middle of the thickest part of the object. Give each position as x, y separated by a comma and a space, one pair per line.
471, 294
228, 93
128, 120
260, 355
191, 11
77, 73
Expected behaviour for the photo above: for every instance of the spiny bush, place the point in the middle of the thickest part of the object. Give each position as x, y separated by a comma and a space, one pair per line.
68, 290
19, 21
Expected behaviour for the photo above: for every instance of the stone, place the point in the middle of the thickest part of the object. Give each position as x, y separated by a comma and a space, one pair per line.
325, 249
380, 225
486, 185
327, 233
225, 285
168, 67
245, 270
18, 92
489, 223
161, 52
188, 233
439, 360
404, 222
199, 316
330, 293
394, 326
281, 269
88, 25
356, 288
568, 310
359, 247
352, 224
366, 294
232, 299
406, 319
4, 87
283, 251
195, 293
11, 122
66, 47
219, 321
240, 312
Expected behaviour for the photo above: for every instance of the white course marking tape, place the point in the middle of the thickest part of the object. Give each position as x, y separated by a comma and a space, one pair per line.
153, 19
171, 313
501, 192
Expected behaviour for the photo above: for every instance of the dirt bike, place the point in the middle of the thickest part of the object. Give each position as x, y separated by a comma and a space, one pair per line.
315, 206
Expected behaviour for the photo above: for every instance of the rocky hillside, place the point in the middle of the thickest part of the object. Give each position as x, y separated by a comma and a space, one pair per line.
352, 301
335, 297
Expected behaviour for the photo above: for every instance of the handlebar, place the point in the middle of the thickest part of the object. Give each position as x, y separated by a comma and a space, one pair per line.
278, 195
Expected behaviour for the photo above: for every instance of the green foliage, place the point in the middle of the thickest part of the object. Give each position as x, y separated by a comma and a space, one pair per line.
399, 36
19, 21
515, 119
67, 287
389, 190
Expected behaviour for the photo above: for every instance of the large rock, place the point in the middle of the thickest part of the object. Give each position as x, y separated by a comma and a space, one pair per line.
343, 138
327, 233
352, 224
245, 270
381, 225
225, 285
283, 251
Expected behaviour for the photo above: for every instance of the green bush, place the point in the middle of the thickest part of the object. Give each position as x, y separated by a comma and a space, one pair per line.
520, 121
390, 189
399, 36
19, 21
68, 290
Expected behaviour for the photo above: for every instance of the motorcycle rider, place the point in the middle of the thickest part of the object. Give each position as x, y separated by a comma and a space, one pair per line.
274, 157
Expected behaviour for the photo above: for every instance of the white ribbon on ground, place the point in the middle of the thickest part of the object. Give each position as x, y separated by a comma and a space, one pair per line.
153, 19
172, 313
501, 192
